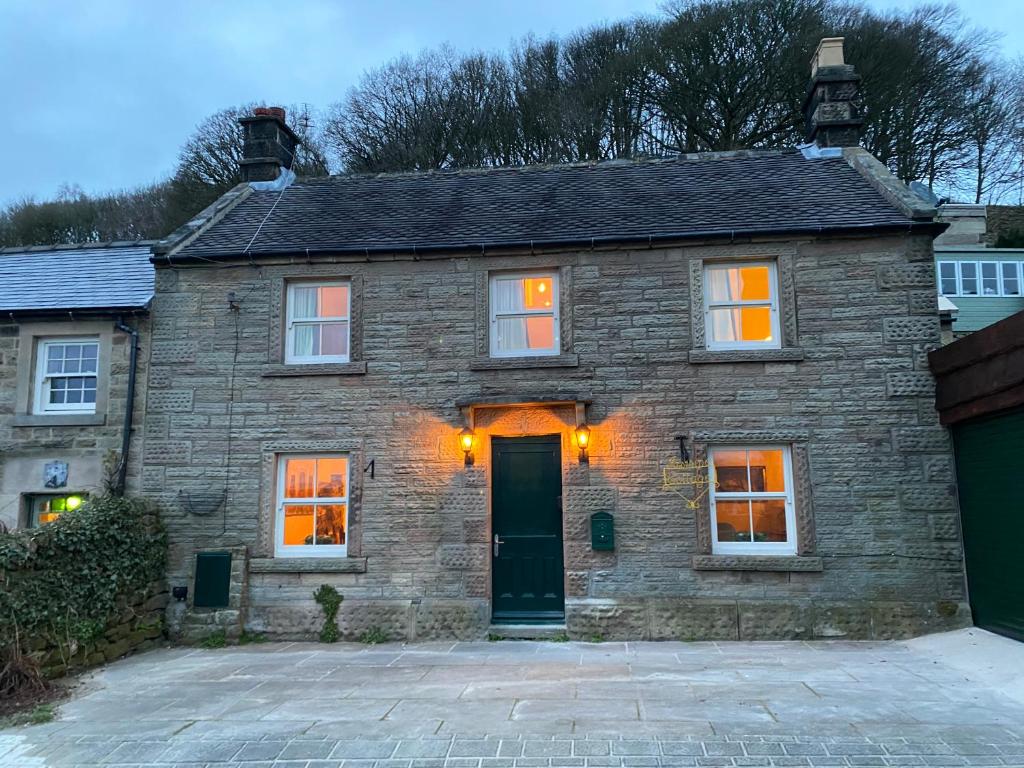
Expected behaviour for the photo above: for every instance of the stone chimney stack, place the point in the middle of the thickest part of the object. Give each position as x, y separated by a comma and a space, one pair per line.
832, 105
269, 144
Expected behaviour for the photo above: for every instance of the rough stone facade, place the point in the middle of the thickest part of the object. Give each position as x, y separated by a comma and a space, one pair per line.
91, 444
879, 553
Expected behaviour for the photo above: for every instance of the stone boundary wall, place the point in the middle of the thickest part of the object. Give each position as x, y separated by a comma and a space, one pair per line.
137, 625
1003, 220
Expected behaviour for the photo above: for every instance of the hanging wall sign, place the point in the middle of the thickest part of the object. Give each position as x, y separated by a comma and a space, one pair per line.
689, 479
55, 474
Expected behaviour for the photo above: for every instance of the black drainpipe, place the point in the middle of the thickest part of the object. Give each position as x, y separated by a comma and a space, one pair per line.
126, 434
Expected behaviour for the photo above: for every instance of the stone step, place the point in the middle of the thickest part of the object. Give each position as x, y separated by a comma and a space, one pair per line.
527, 632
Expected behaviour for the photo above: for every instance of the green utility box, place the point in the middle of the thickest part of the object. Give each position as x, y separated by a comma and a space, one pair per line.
213, 580
602, 531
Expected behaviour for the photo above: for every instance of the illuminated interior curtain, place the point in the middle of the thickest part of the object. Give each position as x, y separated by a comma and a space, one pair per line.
726, 285
508, 297
304, 302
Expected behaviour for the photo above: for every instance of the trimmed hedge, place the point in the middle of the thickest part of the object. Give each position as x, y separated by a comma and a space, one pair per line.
66, 586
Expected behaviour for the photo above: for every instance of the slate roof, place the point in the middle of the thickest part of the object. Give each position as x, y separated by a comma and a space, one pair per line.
730, 194
100, 276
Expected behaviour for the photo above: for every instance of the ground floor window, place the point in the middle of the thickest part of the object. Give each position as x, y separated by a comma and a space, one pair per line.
752, 501
46, 509
312, 508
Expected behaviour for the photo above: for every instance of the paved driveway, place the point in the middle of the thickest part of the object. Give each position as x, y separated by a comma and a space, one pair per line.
545, 704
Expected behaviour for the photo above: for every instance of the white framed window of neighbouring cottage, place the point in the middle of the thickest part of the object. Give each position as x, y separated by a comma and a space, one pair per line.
524, 314
948, 278
67, 372
312, 505
1010, 278
318, 322
751, 501
741, 306
968, 278
989, 278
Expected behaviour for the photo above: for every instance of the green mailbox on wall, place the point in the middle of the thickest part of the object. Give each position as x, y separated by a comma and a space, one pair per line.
602, 531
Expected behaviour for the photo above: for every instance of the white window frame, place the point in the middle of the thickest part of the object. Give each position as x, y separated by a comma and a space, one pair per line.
1016, 265
291, 322
960, 280
789, 546
956, 277
310, 550
554, 312
773, 302
981, 279
42, 405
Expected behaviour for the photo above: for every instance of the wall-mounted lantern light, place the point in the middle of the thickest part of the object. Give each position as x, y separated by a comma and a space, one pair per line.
466, 440
583, 441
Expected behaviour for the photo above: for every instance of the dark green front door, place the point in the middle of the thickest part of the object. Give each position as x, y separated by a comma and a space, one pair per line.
526, 541
990, 482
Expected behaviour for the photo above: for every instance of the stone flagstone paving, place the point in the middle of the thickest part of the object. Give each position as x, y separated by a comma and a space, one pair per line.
531, 704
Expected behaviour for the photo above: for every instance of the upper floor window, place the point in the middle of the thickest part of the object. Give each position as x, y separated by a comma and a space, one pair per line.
741, 306
524, 314
980, 278
312, 506
318, 322
752, 501
66, 375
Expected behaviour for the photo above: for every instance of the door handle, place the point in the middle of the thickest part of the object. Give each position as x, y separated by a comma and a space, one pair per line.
497, 543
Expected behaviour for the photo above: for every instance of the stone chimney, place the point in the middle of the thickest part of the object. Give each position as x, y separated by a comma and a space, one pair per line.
269, 144
832, 105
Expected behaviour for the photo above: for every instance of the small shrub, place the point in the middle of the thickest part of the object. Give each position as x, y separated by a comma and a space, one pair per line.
373, 636
597, 637
330, 601
43, 713
249, 638
561, 637
216, 640
494, 638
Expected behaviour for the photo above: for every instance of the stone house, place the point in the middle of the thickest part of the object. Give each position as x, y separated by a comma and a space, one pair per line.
683, 398
74, 322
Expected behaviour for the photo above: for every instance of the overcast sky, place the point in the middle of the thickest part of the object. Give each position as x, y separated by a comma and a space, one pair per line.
101, 93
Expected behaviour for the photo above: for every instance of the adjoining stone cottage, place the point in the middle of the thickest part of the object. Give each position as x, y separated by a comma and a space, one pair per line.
480, 397
74, 324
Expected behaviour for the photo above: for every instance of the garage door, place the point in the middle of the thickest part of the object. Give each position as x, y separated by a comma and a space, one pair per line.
990, 477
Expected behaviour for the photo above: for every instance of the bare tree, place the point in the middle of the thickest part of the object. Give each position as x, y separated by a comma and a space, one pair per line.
731, 73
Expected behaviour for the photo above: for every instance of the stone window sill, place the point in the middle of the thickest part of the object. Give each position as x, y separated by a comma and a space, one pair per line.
316, 369
786, 354
756, 563
60, 420
307, 565
507, 363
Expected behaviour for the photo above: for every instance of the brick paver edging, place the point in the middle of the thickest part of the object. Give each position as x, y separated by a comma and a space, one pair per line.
514, 752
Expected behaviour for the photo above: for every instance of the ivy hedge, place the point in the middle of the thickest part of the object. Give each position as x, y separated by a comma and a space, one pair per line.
62, 584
